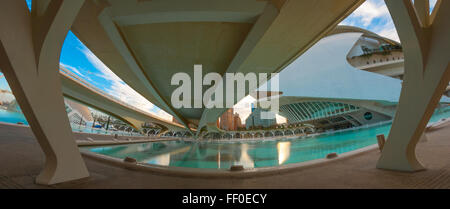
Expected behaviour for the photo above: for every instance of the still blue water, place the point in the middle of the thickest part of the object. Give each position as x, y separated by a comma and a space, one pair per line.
251, 154
440, 114
12, 117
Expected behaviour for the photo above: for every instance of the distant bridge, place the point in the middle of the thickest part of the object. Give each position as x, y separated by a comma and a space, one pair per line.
78, 89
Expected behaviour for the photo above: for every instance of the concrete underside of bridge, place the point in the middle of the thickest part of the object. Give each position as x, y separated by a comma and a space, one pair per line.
146, 42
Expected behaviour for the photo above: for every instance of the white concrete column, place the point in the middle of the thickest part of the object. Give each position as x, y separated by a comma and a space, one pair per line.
29, 57
427, 73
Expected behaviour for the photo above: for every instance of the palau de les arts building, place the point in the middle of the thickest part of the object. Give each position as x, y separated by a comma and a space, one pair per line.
367, 72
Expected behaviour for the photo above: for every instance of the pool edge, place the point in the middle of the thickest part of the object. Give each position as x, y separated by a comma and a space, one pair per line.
215, 173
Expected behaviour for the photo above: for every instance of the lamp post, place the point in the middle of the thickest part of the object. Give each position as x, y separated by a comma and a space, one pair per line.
107, 123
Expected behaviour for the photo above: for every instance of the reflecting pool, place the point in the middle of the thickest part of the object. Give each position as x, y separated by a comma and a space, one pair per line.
12, 117
250, 154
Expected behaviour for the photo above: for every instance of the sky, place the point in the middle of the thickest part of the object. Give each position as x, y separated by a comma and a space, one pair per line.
372, 15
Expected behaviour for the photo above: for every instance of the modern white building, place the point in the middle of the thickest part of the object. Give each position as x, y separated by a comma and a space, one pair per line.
349, 78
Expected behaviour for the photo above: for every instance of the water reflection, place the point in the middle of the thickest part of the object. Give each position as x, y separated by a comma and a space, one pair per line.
164, 159
245, 159
249, 154
218, 158
284, 151
221, 155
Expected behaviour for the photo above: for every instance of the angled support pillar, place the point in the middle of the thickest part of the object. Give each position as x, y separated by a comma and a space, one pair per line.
125, 51
163, 131
30, 46
426, 43
135, 123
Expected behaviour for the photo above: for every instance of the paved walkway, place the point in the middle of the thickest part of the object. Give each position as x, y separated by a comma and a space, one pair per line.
21, 160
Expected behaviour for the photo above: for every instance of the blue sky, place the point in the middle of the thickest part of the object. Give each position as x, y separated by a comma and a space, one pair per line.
372, 15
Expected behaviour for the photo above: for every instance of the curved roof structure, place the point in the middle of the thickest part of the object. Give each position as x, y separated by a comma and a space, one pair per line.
311, 110
351, 29
309, 75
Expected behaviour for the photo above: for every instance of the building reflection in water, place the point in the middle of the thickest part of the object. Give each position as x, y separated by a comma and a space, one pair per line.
164, 159
245, 159
284, 150
218, 157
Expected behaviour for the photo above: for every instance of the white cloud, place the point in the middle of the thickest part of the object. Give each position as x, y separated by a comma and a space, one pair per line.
84, 75
6, 96
120, 89
390, 33
73, 69
370, 10
374, 16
